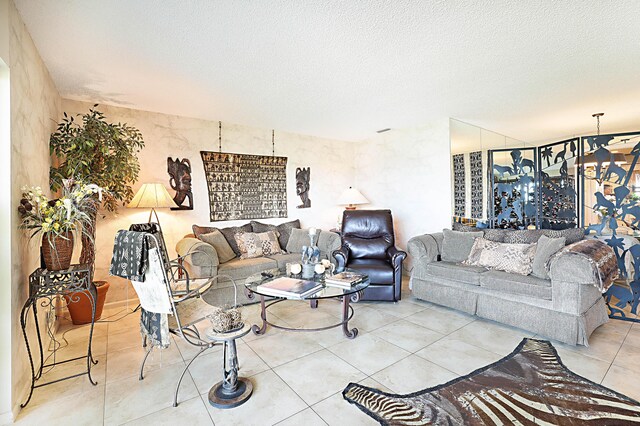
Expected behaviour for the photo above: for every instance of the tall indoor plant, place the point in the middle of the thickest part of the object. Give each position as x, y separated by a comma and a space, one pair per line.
94, 150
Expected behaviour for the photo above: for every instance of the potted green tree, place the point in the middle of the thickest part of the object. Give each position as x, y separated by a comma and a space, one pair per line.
106, 154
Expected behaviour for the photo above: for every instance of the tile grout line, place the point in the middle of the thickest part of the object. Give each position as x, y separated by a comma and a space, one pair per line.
616, 355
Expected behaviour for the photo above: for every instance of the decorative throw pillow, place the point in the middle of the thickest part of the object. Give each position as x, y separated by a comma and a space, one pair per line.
474, 255
219, 242
298, 238
496, 235
199, 230
571, 235
284, 229
547, 247
240, 242
229, 234
457, 245
257, 245
523, 236
513, 258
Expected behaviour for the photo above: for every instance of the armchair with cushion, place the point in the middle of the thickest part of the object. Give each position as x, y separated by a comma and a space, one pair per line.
368, 246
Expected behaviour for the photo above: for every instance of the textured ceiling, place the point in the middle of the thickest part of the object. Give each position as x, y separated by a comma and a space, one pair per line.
532, 70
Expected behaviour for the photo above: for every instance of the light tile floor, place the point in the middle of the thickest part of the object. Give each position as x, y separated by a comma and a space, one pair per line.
298, 377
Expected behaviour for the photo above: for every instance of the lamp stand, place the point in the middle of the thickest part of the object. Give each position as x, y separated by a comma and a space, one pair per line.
154, 212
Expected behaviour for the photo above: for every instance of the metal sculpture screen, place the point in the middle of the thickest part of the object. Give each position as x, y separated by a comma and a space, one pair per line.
558, 191
245, 186
513, 188
609, 169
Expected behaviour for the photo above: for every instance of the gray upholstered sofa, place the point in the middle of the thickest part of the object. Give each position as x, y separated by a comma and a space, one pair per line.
568, 307
204, 262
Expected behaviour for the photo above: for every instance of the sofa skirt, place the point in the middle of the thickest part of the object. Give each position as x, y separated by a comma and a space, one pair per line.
533, 315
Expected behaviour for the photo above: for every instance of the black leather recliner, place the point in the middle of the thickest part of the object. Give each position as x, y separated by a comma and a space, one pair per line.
368, 246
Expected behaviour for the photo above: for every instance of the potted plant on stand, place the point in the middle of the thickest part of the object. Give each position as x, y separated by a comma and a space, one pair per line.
92, 149
56, 220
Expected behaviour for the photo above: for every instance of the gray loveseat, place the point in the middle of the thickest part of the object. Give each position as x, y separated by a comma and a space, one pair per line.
568, 307
204, 263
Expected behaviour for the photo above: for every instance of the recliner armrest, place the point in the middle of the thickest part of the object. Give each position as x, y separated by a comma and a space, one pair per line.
342, 257
395, 256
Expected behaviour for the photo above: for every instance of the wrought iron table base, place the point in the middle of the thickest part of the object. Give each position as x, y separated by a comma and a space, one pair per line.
347, 314
232, 390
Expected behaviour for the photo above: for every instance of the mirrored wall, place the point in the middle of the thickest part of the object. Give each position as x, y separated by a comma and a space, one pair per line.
475, 152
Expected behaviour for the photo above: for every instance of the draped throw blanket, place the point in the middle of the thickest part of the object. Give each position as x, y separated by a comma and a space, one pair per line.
600, 255
129, 258
134, 260
530, 386
154, 302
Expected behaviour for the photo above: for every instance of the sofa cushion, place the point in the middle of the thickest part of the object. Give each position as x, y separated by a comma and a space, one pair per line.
379, 271
240, 269
284, 230
547, 247
457, 245
229, 233
219, 242
465, 274
525, 285
298, 239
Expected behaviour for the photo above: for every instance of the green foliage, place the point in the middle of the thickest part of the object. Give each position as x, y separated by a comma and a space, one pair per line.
99, 152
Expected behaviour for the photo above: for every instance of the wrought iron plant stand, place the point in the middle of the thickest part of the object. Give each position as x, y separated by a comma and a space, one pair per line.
48, 285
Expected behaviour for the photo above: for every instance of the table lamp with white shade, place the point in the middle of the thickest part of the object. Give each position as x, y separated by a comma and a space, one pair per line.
352, 197
153, 196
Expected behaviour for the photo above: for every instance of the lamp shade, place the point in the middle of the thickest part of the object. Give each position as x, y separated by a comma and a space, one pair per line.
352, 197
152, 195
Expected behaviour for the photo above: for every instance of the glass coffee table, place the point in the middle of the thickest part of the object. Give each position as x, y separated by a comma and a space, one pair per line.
345, 295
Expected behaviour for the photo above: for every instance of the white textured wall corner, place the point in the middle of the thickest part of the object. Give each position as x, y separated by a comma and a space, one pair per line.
165, 136
35, 109
409, 172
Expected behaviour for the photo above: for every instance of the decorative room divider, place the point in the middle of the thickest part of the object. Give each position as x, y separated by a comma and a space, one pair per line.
554, 186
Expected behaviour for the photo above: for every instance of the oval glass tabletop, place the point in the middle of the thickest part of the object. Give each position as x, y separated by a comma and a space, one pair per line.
254, 281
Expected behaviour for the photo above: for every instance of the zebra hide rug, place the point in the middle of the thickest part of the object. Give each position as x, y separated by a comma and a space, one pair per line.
530, 386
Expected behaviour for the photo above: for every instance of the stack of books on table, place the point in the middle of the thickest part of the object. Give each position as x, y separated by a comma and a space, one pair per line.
345, 279
290, 288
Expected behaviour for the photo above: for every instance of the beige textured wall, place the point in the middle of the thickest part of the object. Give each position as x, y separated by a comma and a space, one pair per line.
35, 109
408, 171
5, 218
165, 136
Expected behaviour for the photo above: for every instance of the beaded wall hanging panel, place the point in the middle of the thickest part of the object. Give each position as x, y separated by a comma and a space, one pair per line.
243, 186
459, 188
477, 191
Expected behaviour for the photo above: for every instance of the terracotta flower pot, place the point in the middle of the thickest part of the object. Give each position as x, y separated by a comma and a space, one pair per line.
79, 303
57, 250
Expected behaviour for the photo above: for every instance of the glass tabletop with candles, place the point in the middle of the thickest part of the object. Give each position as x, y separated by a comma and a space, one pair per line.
327, 291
